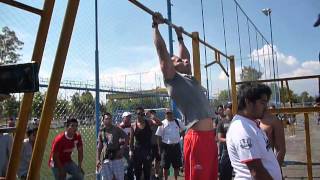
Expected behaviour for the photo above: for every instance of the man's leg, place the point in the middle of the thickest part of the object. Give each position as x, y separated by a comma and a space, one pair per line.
106, 171
225, 168
137, 163
200, 155
118, 169
74, 170
165, 173
56, 175
157, 160
165, 161
147, 164
175, 156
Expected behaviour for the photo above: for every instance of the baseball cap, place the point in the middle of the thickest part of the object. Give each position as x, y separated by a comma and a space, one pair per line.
125, 114
168, 110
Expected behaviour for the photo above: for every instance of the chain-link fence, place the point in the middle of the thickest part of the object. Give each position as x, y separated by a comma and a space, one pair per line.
77, 100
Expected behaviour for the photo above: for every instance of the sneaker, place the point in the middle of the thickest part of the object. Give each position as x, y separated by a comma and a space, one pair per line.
317, 23
156, 177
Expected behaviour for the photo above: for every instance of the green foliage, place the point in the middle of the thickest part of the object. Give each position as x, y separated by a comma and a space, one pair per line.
37, 104
9, 45
222, 98
10, 107
62, 109
250, 74
306, 98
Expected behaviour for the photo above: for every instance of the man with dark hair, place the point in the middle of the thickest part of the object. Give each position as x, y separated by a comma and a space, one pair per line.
111, 144
140, 145
125, 125
220, 115
248, 146
60, 160
168, 142
225, 168
200, 148
273, 127
27, 152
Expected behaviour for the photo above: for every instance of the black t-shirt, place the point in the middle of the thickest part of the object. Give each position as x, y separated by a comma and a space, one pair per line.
222, 128
143, 136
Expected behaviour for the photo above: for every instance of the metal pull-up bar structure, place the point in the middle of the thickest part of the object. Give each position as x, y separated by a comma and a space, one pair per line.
166, 21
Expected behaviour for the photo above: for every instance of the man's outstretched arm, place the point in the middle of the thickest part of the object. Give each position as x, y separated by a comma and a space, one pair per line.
166, 64
280, 142
183, 51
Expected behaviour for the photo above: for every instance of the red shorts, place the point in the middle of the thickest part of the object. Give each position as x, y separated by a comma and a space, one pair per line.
200, 155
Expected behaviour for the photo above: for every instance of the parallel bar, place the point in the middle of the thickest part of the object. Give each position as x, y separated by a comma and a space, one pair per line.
294, 110
207, 65
233, 85
25, 106
217, 57
281, 79
51, 97
146, 9
23, 6
224, 70
308, 145
196, 56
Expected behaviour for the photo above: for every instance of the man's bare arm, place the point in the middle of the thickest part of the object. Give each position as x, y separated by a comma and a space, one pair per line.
280, 142
166, 64
183, 51
80, 156
257, 170
221, 138
99, 148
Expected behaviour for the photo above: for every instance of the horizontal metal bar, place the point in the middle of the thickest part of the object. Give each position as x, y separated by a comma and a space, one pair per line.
281, 79
23, 6
101, 90
295, 110
149, 11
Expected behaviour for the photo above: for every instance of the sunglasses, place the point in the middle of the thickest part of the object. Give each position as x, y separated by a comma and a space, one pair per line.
140, 113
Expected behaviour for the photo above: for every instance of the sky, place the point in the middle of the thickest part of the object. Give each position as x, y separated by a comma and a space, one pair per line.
128, 59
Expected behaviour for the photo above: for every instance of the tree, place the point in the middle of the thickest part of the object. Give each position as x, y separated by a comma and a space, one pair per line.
37, 104
82, 106
9, 45
223, 96
285, 96
305, 98
250, 74
62, 109
10, 107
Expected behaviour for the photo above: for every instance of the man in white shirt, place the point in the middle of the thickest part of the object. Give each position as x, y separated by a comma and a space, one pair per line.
168, 142
248, 146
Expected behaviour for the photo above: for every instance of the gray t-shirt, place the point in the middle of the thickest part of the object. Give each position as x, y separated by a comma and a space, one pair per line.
5, 150
190, 98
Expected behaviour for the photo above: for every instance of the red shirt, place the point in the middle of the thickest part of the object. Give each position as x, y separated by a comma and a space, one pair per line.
64, 146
